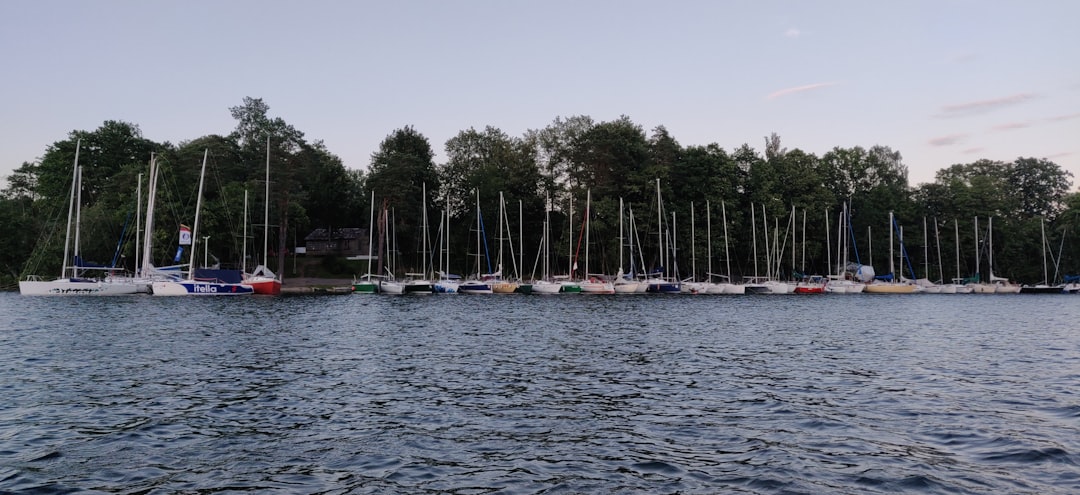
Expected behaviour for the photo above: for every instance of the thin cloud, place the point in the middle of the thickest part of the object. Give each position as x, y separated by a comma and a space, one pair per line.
792, 33
972, 151
1062, 118
1011, 126
984, 106
1060, 155
961, 58
949, 140
798, 89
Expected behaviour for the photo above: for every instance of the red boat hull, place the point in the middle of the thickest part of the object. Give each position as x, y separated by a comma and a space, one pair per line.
265, 287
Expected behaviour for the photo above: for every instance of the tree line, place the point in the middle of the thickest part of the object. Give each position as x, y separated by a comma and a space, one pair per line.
543, 174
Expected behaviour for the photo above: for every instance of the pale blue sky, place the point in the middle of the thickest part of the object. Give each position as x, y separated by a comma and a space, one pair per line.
943, 82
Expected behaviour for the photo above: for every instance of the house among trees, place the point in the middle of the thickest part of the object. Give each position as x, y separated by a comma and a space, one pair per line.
347, 241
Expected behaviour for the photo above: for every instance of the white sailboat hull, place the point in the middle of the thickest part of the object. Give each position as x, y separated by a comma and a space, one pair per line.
545, 287
597, 288
77, 287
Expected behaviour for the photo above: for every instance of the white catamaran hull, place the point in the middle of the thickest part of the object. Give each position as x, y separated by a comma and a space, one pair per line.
197, 288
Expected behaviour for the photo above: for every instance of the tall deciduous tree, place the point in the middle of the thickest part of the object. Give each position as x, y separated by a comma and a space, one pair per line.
399, 171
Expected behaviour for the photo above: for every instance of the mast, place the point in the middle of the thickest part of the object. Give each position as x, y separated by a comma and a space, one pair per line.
138, 220
502, 213
371, 227
937, 242
521, 243
693, 247
151, 192
708, 235
926, 247
266, 211
870, 246
71, 208
727, 259
588, 206
195, 228
633, 236
1042, 228
753, 228
621, 238
956, 228
78, 216
570, 221
989, 257
792, 244
768, 252
424, 235
660, 228
243, 250
547, 237
892, 266
446, 244
802, 267
674, 259
845, 224
478, 272
978, 264
828, 241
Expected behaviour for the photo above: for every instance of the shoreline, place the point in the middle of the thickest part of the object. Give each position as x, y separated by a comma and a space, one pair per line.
307, 285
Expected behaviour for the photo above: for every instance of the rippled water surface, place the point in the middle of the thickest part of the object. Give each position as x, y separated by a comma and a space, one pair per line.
533, 394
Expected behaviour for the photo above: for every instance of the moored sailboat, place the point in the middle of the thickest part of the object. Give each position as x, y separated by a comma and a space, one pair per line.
71, 281
262, 280
199, 287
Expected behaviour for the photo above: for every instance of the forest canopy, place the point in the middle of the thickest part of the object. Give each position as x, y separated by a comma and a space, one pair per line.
682, 192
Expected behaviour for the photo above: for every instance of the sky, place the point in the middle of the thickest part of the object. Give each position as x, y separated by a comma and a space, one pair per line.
942, 82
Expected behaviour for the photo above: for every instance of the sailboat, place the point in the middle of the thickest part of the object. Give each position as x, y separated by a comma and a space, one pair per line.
592, 283
690, 285
1043, 287
1001, 285
976, 285
766, 284
446, 283
928, 286
388, 283
729, 285
845, 282
546, 285
418, 283
368, 284
191, 286
887, 284
498, 281
70, 282
626, 283
957, 286
261, 279
660, 283
807, 284
477, 284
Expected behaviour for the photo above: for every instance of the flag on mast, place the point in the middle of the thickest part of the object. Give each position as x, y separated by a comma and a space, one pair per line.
185, 235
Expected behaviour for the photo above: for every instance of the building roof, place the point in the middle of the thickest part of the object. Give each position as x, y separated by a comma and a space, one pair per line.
338, 234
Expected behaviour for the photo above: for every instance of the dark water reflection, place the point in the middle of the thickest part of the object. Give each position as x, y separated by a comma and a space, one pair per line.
515, 394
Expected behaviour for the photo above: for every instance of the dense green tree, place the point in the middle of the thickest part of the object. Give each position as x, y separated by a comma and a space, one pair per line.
1039, 185
488, 164
310, 187
400, 170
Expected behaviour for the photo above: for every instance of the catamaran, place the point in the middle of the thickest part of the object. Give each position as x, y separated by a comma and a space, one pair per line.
192, 286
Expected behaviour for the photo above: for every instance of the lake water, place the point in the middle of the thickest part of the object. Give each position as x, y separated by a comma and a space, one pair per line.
533, 394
